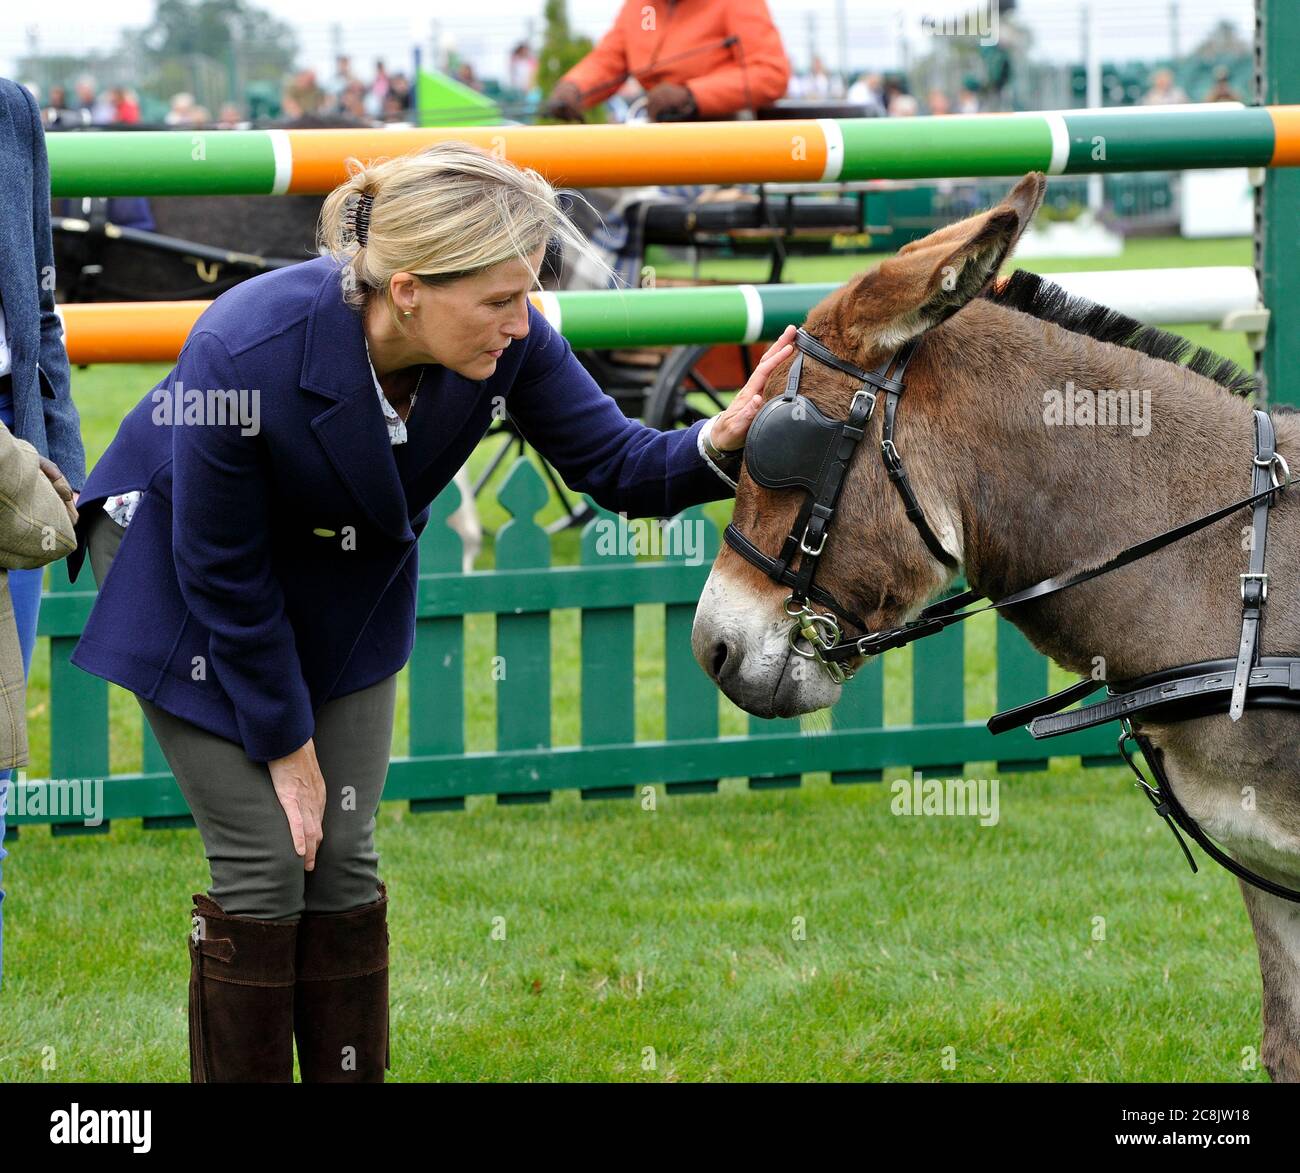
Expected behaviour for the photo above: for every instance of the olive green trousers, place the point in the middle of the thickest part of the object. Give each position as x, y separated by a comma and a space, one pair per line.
255, 870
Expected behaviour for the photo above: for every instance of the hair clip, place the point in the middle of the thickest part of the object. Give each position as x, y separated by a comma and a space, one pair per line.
356, 221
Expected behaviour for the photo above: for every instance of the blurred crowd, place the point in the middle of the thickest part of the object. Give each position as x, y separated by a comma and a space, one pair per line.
880, 96
1165, 92
383, 97
521, 70
389, 97
889, 96
89, 104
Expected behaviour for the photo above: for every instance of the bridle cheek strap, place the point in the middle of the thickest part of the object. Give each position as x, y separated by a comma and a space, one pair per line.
792, 445
897, 474
779, 569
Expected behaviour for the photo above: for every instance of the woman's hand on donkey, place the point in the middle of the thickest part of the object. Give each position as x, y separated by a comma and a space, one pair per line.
730, 427
300, 787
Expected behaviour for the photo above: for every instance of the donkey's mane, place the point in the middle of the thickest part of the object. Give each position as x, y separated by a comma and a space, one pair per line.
1042, 299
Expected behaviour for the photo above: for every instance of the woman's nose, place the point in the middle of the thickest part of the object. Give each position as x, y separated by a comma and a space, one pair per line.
519, 328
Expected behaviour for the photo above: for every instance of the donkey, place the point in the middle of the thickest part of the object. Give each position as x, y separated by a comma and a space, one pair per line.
1015, 495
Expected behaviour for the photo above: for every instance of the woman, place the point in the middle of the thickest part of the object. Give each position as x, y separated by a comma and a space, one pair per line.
35, 402
277, 555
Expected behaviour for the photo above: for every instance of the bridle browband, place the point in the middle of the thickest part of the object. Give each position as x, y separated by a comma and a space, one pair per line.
818, 462
781, 431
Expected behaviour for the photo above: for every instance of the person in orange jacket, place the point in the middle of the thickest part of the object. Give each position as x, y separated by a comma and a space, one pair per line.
696, 59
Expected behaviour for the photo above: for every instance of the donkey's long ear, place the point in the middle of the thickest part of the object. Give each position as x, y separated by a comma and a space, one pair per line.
930, 279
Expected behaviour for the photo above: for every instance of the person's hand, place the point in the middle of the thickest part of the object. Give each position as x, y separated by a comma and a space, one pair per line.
670, 103
730, 427
55, 476
300, 787
565, 103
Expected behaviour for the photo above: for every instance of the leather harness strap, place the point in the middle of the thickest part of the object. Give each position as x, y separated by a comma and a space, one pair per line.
1205, 687
1175, 815
807, 536
1199, 685
1254, 583
897, 474
943, 613
1192, 690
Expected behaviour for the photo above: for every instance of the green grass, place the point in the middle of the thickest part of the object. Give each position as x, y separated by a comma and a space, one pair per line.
672, 929
628, 929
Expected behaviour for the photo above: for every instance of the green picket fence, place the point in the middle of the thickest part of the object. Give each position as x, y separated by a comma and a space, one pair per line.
438, 772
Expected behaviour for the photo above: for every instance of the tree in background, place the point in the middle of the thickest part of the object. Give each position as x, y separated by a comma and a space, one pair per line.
1224, 40
211, 48
561, 50
216, 50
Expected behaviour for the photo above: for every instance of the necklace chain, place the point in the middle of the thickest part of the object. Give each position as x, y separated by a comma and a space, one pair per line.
410, 407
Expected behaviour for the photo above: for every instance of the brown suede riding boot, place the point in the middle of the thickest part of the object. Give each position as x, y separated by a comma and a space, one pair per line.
340, 1008
241, 996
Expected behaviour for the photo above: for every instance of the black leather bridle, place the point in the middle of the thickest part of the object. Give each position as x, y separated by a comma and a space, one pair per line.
791, 444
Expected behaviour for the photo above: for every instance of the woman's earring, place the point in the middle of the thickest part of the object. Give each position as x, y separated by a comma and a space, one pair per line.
406, 313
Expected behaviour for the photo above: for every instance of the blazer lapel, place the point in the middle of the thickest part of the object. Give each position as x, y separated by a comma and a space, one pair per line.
351, 429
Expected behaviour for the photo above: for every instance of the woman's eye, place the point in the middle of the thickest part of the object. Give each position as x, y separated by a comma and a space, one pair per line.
502, 304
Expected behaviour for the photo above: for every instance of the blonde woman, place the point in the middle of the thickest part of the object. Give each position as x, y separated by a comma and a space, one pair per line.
277, 555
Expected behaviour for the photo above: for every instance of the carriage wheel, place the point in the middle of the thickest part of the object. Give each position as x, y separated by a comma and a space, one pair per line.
695, 382
576, 510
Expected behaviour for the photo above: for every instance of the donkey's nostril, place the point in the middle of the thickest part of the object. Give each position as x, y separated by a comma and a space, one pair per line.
719, 659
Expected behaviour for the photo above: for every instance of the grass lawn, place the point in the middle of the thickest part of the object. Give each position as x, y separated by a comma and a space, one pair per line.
782, 935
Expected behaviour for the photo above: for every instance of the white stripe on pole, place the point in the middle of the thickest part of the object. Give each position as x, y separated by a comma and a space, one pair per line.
1060, 143
549, 304
834, 149
283, 153
753, 312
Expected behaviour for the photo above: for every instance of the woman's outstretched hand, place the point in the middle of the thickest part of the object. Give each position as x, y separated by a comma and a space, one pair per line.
730, 427
300, 787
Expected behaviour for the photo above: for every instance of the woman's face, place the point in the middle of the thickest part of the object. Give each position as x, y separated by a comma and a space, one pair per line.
466, 326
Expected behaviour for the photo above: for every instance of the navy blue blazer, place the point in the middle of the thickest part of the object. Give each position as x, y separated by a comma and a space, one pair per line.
44, 413
225, 604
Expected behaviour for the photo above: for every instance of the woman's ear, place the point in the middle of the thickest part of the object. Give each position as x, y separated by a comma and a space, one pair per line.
402, 287
929, 280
